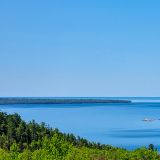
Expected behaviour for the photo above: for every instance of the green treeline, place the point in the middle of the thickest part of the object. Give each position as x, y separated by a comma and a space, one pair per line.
58, 100
32, 141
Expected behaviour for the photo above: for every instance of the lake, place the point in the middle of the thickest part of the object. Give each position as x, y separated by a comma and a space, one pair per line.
129, 125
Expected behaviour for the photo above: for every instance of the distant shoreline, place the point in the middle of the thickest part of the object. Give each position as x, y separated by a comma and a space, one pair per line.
58, 101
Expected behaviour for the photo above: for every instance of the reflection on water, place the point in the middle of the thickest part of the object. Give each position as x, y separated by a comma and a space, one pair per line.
117, 124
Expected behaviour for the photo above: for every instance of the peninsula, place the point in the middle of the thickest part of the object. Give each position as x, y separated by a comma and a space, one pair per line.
29, 100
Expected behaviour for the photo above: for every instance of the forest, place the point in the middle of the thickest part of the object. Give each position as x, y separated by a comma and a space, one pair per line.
33, 141
29, 100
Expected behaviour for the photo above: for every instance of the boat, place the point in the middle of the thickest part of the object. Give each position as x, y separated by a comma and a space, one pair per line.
148, 120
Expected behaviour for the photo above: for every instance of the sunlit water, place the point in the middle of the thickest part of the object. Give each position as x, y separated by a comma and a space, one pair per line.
116, 124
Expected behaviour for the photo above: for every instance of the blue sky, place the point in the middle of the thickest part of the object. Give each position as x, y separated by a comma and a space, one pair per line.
80, 48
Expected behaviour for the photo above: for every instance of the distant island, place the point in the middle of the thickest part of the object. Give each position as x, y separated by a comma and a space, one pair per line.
17, 100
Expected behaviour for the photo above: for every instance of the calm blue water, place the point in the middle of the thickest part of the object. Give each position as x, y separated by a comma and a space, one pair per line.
116, 124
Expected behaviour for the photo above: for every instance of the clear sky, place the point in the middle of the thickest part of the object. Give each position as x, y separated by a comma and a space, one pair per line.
80, 48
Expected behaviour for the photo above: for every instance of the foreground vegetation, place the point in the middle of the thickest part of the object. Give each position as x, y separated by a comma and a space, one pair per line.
31, 141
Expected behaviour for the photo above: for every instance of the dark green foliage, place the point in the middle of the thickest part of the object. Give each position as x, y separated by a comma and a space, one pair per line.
151, 147
32, 141
14, 130
58, 100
